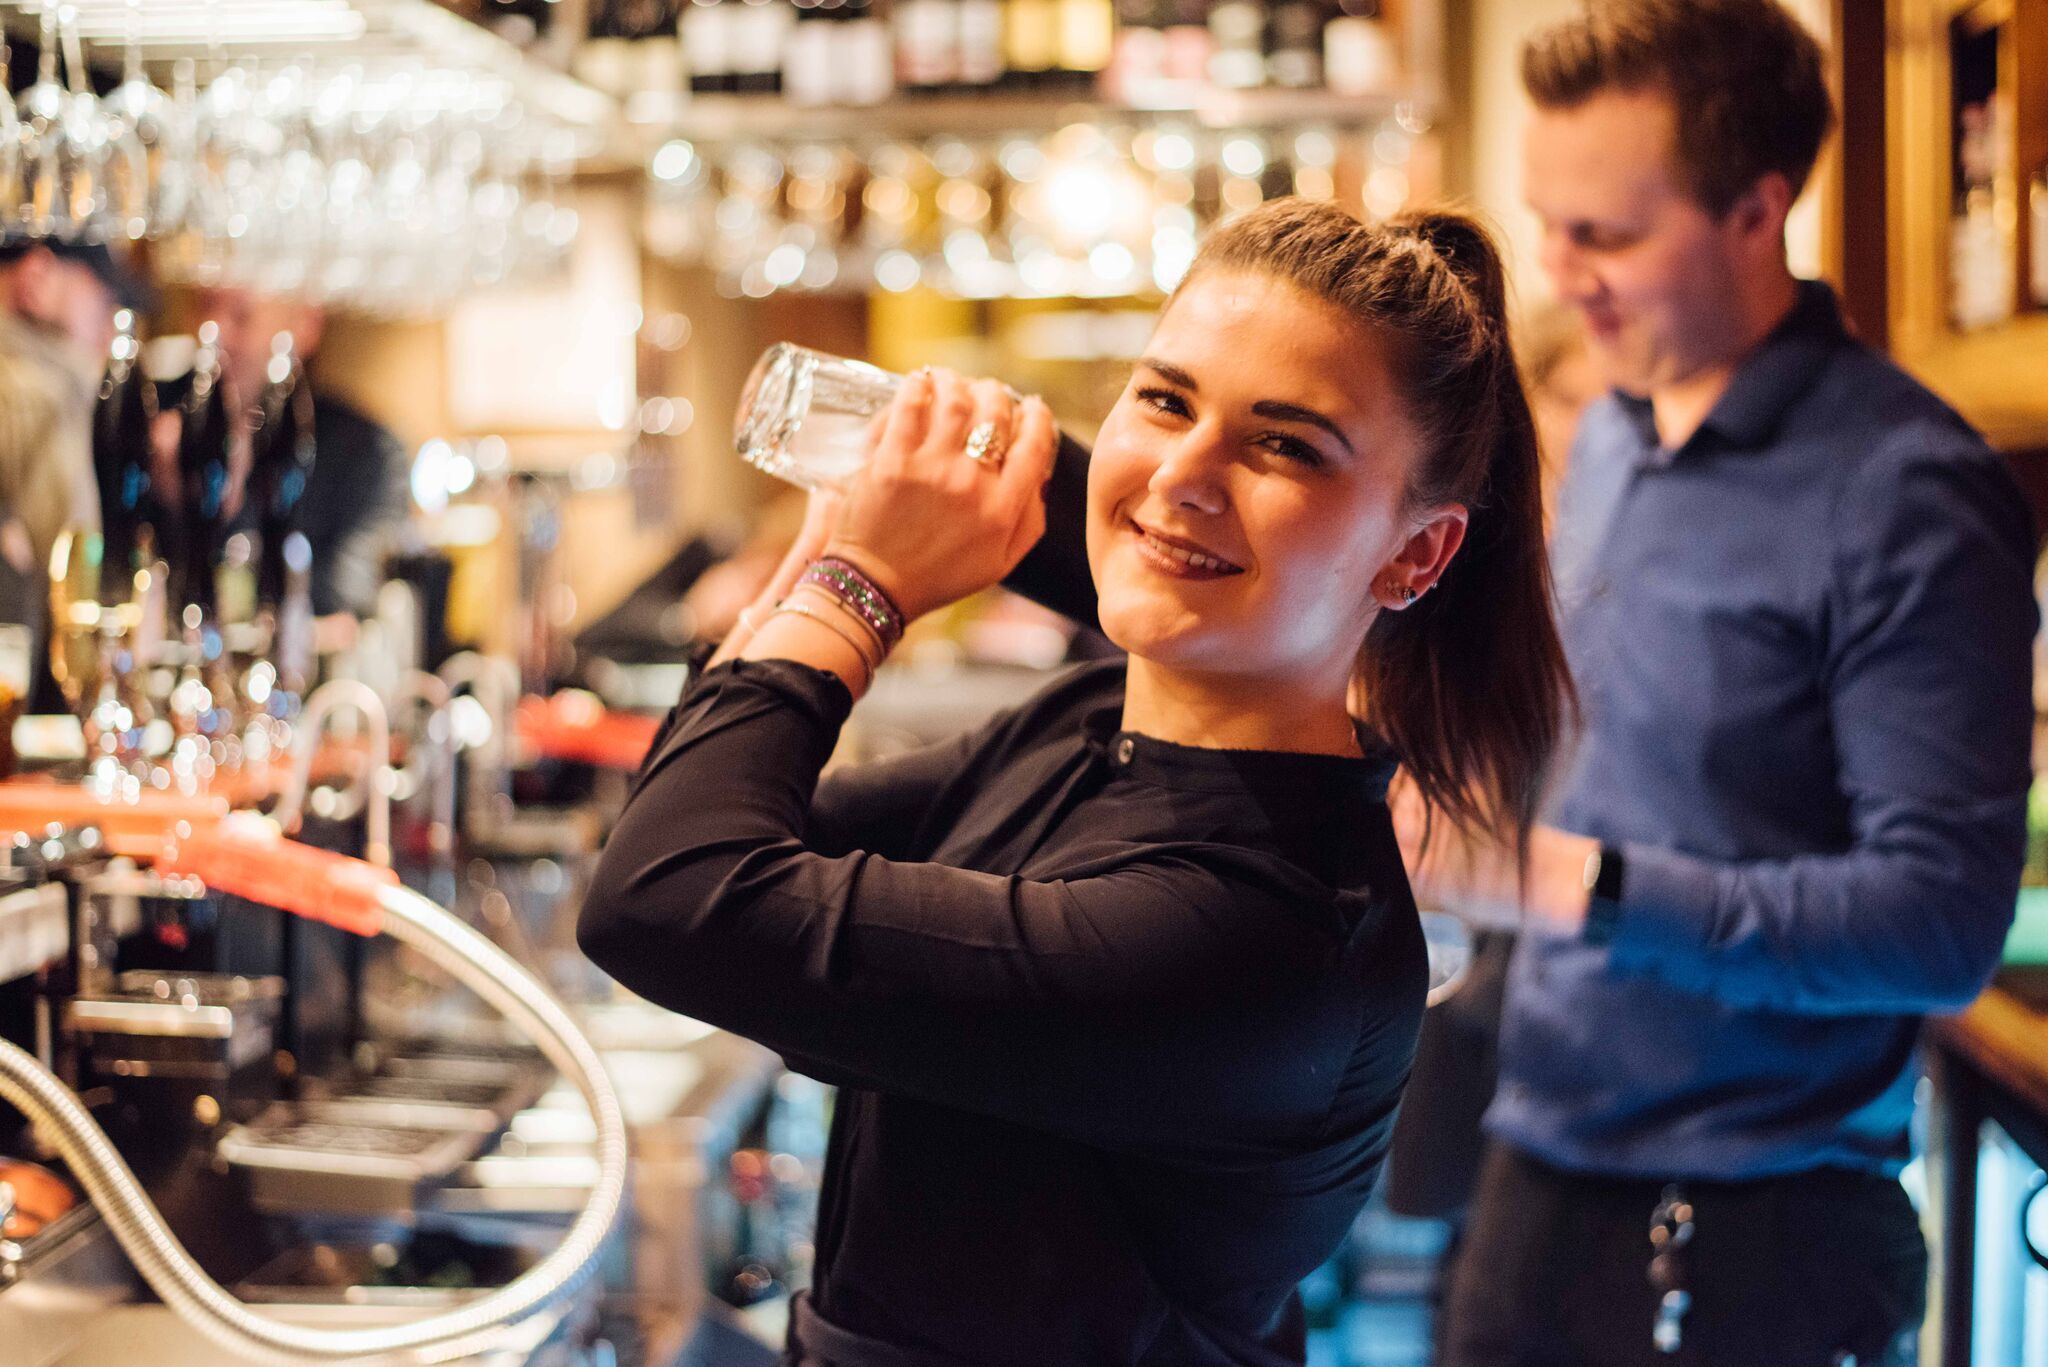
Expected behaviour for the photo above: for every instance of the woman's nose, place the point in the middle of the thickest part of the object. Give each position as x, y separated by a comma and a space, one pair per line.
1191, 474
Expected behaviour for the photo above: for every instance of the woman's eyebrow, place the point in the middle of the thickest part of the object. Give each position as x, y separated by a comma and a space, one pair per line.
1169, 372
1265, 408
1294, 412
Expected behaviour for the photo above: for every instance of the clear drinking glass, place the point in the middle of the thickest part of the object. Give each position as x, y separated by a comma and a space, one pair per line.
805, 416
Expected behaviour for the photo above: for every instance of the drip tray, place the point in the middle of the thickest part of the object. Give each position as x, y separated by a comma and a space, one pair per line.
299, 1160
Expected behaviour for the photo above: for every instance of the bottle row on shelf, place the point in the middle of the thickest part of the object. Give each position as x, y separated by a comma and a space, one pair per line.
1137, 52
1087, 211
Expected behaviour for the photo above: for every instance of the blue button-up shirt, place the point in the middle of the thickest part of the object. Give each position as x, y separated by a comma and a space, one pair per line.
1803, 647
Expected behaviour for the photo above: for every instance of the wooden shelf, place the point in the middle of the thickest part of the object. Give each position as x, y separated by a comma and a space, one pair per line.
731, 118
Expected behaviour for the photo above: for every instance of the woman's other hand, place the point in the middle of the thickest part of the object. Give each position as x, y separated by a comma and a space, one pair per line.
927, 521
1481, 881
821, 516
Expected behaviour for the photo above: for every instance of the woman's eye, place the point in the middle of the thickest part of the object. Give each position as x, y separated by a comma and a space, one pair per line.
1163, 401
1293, 448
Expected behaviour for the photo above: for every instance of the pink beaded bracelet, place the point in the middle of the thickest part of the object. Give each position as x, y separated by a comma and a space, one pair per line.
860, 595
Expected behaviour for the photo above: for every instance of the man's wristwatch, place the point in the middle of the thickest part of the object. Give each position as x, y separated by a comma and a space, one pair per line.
1604, 872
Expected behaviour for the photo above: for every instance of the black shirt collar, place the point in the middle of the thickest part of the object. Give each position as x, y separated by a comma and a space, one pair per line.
1782, 368
1280, 773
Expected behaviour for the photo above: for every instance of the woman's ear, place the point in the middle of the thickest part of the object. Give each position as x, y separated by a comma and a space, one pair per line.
1423, 557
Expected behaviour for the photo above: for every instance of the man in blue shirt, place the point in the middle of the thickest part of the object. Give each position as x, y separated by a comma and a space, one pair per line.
1796, 594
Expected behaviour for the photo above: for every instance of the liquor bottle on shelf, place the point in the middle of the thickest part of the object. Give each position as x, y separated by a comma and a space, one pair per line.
866, 68
1031, 42
979, 64
1137, 62
632, 19
1238, 28
810, 58
927, 44
758, 29
707, 31
1359, 55
1189, 44
2037, 236
1087, 36
1981, 248
1294, 44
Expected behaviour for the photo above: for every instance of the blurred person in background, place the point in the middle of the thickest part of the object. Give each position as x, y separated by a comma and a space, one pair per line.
57, 304
1796, 597
356, 499
1562, 378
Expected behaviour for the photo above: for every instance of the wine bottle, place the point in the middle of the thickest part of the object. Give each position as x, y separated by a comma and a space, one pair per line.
1087, 36
1359, 56
1031, 41
980, 52
866, 69
1189, 44
706, 28
758, 30
1138, 60
927, 44
1294, 44
810, 58
1238, 28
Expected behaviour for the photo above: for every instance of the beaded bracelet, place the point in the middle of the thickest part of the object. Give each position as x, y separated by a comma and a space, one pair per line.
799, 610
859, 593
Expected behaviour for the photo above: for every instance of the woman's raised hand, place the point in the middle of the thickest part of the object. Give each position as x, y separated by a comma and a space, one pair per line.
952, 497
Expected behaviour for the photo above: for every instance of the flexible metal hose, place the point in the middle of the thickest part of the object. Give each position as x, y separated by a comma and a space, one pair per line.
184, 1286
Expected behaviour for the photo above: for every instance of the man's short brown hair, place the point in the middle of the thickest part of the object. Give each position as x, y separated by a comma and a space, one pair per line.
1744, 79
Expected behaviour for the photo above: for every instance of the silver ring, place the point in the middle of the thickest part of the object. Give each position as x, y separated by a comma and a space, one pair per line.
982, 447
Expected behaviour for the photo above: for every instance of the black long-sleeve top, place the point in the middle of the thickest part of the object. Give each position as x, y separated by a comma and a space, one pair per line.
1119, 1025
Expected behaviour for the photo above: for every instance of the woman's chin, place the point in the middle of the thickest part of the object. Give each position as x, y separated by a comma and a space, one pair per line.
1180, 644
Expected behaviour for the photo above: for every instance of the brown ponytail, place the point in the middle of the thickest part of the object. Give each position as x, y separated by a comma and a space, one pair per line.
1468, 684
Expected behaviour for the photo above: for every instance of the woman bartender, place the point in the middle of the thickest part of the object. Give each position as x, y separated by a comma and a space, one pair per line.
1120, 991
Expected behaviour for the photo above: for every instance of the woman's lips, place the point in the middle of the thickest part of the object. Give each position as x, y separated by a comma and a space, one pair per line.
1180, 559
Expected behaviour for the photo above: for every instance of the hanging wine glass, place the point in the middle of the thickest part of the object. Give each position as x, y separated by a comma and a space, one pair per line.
57, 178
10, 146
137, 117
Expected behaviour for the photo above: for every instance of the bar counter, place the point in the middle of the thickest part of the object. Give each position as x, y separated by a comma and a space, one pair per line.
1989, 1062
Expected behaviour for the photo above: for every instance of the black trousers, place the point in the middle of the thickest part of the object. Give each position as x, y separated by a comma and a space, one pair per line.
1819, 1269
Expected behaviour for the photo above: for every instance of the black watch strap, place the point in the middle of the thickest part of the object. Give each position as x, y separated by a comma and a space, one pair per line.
1605, 873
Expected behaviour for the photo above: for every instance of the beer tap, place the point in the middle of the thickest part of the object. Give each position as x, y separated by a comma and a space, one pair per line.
113, 726
204, 442
120, 452
193, 713
280, 465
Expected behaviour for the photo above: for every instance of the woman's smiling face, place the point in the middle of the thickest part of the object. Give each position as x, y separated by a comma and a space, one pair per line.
1248, 487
